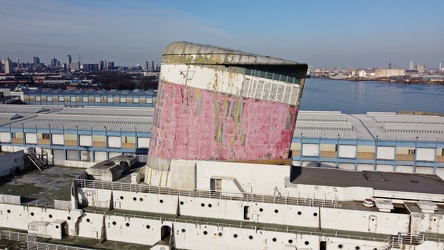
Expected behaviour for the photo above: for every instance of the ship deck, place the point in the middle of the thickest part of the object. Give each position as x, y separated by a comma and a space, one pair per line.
390, 181
42, 187
54, 183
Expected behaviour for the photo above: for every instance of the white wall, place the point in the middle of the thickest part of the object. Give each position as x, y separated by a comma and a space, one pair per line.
361, 221
255, 178
11, 161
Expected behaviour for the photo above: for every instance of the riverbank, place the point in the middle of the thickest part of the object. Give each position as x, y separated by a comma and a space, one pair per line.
389, 80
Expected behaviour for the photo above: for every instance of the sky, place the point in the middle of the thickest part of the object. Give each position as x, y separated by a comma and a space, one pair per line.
330, 33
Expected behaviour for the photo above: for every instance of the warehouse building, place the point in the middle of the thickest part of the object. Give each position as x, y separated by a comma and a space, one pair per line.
374, 141
84, 98
76, 136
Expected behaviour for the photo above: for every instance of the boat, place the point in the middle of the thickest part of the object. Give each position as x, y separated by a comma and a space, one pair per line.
219, 176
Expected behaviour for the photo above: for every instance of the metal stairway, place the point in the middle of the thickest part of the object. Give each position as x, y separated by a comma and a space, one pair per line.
36, 160
396, 242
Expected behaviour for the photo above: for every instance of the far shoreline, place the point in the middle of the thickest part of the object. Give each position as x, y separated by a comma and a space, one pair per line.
386, 80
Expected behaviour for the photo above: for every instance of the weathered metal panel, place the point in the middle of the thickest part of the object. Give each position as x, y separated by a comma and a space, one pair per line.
197, 124
215, 103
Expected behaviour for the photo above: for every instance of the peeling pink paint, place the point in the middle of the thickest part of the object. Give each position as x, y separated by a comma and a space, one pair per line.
182, 131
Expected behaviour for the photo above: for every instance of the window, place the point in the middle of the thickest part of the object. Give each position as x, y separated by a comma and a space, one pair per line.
110, 99
86, 140
122, 99
97, 99
73, 98
31, 138
49, 99
61, 99
58, 139
85, 99
37, 98
45, 136
136, 100
411, 151
215, 184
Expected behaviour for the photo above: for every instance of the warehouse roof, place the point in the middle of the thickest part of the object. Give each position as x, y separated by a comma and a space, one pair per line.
384, 126
90, 118
310, 124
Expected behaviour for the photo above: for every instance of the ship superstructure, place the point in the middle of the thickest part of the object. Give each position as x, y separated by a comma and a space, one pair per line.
216, 103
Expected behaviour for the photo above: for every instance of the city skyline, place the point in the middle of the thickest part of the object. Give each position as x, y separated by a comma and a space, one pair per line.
322, 33
149, 64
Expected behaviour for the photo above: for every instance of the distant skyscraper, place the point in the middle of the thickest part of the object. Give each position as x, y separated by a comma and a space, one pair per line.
68, 61
411, 64
100, 65
8, 66
110, 65
152, 66
18, 61
36, 60
75, 65
145, 65
54, 62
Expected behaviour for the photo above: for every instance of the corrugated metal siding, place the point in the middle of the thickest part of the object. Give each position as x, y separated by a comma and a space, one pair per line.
366, 149
328, 147
295, 146
402, 150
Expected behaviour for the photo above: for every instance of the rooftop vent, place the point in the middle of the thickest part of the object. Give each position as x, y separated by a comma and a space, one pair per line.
384, 205
427, 206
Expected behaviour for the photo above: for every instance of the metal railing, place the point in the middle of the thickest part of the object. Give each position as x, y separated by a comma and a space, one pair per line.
241, 225
29, 242
407, 239
34, 245
16, 236
141, 188
32, 155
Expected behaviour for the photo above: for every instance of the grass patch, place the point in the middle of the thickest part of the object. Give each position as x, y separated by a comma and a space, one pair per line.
24, 190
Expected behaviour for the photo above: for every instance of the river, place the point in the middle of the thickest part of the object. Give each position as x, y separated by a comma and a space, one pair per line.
352, 97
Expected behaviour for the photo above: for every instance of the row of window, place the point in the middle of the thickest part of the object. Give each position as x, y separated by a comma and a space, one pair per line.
74, 139
416, 131
411, 122
325, 128
272, 76
93, 121
97, 99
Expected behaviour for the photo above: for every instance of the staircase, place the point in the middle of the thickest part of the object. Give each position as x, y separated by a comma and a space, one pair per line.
36, 160
396, 242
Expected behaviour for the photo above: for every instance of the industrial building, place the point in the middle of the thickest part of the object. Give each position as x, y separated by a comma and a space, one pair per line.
82, 98
373, 141
389, 72
76, 136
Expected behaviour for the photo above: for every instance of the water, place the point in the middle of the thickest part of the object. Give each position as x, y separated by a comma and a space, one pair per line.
352, 97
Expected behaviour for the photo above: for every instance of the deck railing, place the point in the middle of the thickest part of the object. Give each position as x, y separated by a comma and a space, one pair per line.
142, 188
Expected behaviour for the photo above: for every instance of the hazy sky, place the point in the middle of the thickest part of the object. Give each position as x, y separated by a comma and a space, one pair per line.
364, 33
